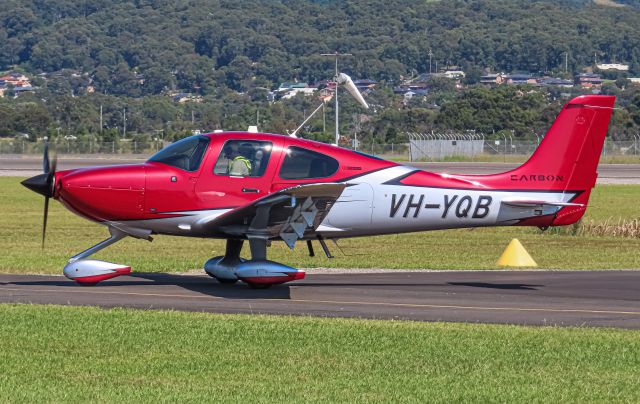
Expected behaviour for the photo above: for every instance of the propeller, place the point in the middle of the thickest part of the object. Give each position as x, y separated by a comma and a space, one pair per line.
44, 184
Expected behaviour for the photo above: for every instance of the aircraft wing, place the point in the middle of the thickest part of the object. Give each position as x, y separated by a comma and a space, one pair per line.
288, 214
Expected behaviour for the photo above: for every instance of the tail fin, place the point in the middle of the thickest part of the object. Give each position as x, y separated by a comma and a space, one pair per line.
568, 155
565, 162
567, 158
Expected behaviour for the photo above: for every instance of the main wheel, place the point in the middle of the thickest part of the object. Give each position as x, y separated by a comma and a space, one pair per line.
225, 281
259, 285
87, 283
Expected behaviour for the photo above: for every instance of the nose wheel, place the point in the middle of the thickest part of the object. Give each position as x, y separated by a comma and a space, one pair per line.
88, 272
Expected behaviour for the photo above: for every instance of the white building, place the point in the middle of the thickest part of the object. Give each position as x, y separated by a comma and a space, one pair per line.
613, 66
454, 74
295, 91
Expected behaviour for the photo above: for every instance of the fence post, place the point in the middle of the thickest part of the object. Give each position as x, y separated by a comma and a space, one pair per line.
472, 138
504, 148
511, 142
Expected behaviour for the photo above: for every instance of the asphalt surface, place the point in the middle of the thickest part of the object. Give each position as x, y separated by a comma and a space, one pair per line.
25, 166
562, 298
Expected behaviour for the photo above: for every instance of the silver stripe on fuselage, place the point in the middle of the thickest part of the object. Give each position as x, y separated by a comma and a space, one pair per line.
396, 208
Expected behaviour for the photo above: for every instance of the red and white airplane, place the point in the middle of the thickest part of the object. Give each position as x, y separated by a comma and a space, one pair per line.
292, 189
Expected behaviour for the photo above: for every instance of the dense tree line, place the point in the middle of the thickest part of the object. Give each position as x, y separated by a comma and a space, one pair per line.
522, 110
135, 51
207, 45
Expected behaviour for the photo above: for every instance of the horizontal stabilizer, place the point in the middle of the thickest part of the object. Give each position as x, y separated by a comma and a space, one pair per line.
531, 203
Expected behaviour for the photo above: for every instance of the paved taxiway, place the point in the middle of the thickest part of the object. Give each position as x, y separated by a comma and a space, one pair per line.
26, 166
578, 298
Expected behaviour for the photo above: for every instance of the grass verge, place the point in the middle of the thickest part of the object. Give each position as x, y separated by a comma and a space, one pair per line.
63, 354
21, 223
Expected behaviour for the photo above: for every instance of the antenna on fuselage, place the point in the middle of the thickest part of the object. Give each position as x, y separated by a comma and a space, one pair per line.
295, 132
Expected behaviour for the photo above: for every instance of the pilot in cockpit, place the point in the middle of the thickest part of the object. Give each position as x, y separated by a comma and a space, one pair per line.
239, 159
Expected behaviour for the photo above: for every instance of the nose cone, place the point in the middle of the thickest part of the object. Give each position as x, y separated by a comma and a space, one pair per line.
41, 184
103, 193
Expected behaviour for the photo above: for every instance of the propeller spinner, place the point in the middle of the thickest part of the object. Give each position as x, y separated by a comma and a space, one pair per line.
44, 184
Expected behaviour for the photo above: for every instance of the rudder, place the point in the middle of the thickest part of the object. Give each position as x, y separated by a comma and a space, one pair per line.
570, 151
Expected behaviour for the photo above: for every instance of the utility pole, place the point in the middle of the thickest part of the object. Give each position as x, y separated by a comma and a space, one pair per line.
336, 55
430, 55
566, 61
124, 123
324, 120
100, 130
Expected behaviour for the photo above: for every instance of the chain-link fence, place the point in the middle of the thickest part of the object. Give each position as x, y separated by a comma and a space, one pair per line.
76, 147
441, 145
421, 147
451, 146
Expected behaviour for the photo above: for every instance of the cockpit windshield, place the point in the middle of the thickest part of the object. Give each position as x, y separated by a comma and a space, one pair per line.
185, 154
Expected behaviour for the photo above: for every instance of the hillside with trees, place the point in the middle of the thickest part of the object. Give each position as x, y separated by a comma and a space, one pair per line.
133, 53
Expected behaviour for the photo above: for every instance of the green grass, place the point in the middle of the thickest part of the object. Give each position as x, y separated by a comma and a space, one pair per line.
72, 354
21, 221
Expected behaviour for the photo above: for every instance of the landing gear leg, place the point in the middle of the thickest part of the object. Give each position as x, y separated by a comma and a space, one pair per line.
258, 253
89, 272
259, 272
223, 268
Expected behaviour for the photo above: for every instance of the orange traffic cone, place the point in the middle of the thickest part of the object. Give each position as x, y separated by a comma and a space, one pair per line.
516, 256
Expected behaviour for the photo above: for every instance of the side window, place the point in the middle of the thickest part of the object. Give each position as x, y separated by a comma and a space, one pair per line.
243, 158
302, 163
185, 154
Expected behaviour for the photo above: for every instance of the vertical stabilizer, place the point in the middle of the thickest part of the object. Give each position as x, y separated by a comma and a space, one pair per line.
571, 149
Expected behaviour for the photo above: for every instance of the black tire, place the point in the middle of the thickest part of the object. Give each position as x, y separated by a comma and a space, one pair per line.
259, 285
87, 284
226, 281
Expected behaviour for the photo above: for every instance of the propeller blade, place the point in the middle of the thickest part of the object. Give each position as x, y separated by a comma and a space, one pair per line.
44, 223
45, 159
51, 175
52, 169
49, 167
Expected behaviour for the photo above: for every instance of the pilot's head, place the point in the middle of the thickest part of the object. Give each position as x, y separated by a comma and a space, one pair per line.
245, 150
231, 150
